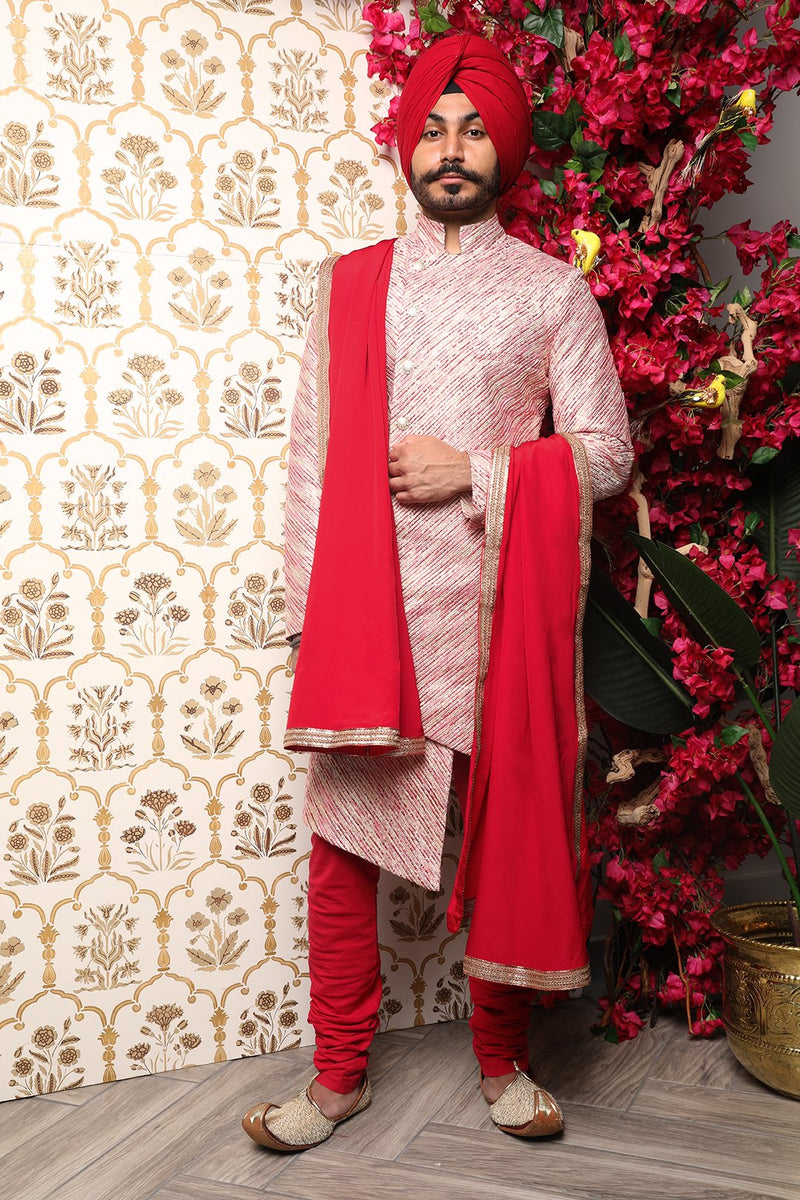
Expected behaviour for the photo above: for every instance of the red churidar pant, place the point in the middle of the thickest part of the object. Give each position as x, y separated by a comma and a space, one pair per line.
344, 964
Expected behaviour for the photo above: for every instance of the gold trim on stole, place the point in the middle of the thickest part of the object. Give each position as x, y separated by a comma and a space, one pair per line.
493, 540
334, 739
324, 284
555, 981
583, 473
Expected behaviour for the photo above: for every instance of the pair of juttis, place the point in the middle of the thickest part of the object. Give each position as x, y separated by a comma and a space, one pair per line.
522, 879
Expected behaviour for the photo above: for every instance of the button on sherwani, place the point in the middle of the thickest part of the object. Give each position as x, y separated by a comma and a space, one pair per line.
479, 345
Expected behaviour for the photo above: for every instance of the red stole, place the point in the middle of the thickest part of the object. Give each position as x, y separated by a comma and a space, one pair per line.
355, 691
522, 874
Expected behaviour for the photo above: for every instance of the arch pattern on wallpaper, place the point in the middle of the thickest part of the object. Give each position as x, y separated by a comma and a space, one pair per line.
169, 184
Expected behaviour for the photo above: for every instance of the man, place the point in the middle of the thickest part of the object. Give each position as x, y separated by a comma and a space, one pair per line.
468, 562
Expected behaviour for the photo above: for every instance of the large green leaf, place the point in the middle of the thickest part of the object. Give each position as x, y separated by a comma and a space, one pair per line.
775, 496
552, 130
628, 670
711, 615
548, 25
784, 762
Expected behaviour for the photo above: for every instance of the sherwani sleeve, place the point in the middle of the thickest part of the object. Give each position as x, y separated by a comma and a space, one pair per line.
303, 489
585, 391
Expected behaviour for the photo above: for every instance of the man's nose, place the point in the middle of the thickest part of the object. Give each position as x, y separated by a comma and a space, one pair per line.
451, 147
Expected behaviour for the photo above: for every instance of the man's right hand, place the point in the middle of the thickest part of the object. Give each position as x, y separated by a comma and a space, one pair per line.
293, 659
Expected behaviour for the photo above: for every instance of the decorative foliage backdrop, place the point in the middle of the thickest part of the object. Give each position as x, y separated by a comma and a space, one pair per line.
645, 114
171, 174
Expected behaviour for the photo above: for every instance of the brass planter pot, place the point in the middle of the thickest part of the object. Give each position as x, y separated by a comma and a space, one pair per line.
761, 1001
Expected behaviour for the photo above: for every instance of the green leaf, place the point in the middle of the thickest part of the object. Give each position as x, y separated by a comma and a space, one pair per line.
552, 130
660, 860
628, 671
743, 297
711, 615
432, 20
775, 497
763, 455
548, 187
548, 25
732, 734
718, 289
673, 93
748, 139
784, 263
751, 523
784, 762
652, 624
623, 48
793, 241
590, 155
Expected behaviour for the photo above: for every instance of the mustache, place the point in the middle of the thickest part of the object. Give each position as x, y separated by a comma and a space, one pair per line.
470, 176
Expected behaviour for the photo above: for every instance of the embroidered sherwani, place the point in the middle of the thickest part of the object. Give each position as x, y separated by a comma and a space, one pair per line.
479, 344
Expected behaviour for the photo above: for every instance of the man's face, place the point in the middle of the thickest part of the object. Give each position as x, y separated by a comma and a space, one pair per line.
454, 168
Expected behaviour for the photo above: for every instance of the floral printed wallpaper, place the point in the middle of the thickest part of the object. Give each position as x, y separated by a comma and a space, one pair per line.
171, 176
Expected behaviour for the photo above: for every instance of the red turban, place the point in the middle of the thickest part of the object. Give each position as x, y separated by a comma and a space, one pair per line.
487, 79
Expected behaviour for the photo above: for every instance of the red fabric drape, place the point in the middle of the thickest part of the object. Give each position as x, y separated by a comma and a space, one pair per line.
355, 689
522, 873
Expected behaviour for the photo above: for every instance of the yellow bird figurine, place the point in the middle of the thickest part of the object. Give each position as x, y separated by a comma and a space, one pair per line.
587, 249
708, 397
734, 116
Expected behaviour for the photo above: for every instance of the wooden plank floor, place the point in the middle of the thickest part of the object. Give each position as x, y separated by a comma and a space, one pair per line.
661, 1117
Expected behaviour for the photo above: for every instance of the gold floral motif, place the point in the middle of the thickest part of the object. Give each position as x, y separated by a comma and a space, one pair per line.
95, 511
269, 1025
209, 524
5, 496
157, 843
40, 845
30, 395
100, 727
297, 296
342, 15
214, 735
246, 190
219, 933
87, 281
390, 1006
451, 999
49, 1063
7, 721
415, 917
251, 402
143, 409
256, 8
150, 627
299, 92
170, 1041
106, 945
348, 208
197, 302
137, 187
26, 167
10, 947
262, 823
256, 613
32, 621
78, 51
186, 88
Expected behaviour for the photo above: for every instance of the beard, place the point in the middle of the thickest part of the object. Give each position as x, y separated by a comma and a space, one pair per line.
457, 197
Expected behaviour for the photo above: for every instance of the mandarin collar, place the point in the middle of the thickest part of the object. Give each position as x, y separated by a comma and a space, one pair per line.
428, 236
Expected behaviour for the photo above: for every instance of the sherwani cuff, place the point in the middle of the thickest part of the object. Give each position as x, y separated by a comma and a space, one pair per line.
473, 503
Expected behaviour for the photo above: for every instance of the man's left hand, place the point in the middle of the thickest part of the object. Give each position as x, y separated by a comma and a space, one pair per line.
425, 470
